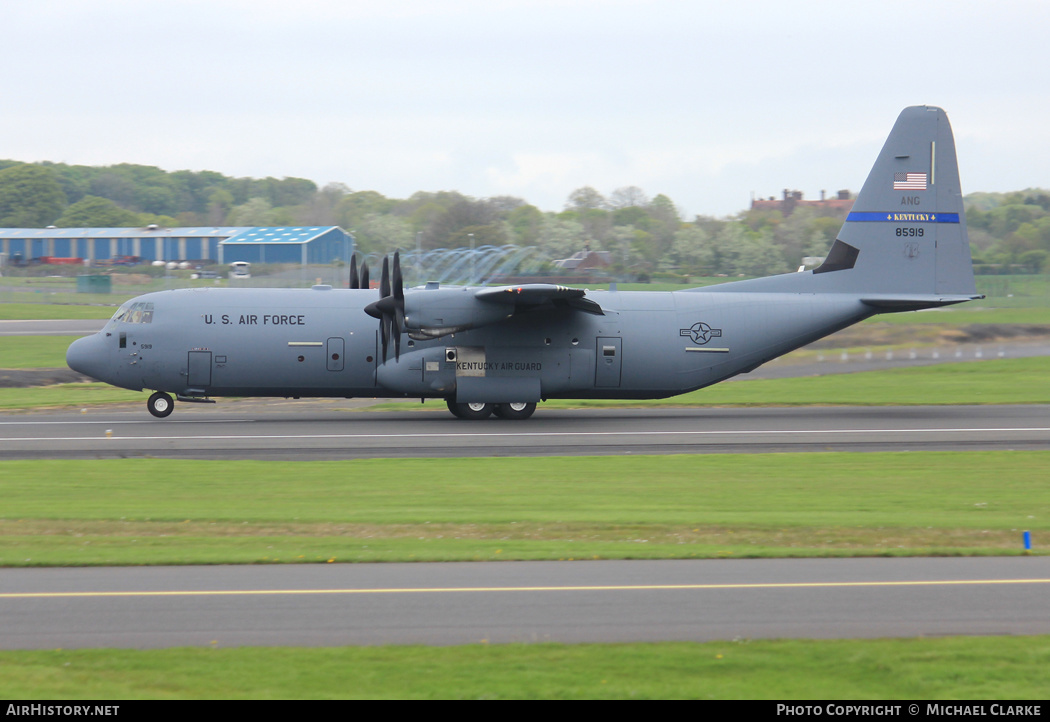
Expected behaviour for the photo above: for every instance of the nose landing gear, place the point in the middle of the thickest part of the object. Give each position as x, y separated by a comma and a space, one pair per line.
160, 404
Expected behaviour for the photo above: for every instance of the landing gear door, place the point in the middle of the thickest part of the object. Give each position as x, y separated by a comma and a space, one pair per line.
607, 368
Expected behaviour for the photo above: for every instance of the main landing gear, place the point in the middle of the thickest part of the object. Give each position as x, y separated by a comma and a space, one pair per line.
160, 404
516, 410
476, 411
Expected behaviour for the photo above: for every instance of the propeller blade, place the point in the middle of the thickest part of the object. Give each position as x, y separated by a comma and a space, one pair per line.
399, 287
364, 274
398, 323
355, 282
384, 332
384, 279
399, 305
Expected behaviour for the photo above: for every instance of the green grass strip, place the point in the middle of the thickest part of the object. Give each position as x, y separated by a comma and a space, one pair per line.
999, 381
68, 395
969, 314
952, 668
53, 311
144, 511
34, 352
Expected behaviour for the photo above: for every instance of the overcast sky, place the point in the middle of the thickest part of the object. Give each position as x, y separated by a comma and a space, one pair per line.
706, 102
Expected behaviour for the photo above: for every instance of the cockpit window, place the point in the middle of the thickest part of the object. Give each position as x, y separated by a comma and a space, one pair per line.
134, 313
121, 312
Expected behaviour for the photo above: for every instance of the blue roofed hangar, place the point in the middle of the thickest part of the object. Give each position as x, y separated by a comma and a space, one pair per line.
222, 244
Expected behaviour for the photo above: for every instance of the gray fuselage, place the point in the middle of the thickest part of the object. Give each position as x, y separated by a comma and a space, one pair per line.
319, 342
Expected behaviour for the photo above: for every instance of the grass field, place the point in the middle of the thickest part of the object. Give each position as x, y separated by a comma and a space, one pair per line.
997, 381
968, 314
142, 511
53, 311
68, 395
33, 352
984, 668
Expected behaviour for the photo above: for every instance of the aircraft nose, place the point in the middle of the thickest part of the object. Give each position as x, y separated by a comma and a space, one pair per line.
85, 356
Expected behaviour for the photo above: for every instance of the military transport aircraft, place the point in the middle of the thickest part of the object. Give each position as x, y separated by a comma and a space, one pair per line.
503, 349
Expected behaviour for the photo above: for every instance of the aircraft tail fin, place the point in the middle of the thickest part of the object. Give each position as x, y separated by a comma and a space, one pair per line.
906, 233
905, 240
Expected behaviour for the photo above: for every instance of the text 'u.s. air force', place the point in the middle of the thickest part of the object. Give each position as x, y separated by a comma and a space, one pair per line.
254, 319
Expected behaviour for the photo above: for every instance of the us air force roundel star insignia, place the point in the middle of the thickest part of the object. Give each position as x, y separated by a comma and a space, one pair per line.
701, 333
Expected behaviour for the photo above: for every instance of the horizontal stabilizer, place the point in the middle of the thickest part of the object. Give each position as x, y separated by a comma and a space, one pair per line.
891, 302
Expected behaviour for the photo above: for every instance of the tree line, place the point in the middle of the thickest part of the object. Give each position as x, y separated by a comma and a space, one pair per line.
642, 235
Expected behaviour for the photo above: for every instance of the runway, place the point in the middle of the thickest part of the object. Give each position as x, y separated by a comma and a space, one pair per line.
472, 602
325, 430
56, 327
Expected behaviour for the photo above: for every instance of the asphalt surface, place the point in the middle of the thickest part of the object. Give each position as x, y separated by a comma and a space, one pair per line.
51, 328
308, 430
462, 603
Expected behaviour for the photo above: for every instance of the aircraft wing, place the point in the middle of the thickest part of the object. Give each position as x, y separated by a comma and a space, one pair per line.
433, 313
536, 296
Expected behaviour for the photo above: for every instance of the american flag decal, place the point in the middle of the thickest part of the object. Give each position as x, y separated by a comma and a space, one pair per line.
909, 181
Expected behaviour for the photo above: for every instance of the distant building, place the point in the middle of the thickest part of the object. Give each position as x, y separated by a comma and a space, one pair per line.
210, 244
793, 199
585, 260
287, 244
